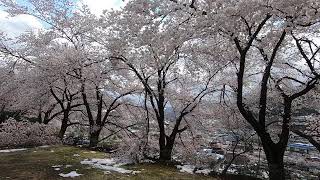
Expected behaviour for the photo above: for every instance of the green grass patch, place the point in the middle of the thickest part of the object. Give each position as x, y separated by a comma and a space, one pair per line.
36, 164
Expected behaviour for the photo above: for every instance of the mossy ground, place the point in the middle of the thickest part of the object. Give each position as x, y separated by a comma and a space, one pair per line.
36, 164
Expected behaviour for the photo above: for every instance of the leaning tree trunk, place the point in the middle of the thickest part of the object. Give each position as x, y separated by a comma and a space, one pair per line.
63, 128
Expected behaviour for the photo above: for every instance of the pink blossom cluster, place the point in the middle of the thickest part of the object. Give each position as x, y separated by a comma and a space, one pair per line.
26, 134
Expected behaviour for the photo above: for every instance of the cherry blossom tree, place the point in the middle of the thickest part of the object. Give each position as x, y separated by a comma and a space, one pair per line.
49, 52
261, 32
155, 41
102, 96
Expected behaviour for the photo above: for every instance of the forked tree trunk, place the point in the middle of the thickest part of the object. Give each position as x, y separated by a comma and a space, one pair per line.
274, 154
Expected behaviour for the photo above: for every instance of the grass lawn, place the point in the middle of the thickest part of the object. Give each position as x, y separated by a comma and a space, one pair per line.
36, 164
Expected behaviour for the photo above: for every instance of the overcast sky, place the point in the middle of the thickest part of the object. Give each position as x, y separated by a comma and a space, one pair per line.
97, 6
13, 26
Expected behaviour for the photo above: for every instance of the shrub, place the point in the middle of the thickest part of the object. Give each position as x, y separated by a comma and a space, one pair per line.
26, 134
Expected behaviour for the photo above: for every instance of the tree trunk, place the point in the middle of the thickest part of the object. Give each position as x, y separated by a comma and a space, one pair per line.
166, 151
39, 118
276, 170
63, 128
165, 154
94, 138
275, 163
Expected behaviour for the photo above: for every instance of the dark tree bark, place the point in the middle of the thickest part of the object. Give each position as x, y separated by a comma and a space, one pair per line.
94, 138
166, 151
63, 127
275, 165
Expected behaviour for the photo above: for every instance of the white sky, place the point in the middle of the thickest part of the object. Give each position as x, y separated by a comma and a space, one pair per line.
97, 6
14, 26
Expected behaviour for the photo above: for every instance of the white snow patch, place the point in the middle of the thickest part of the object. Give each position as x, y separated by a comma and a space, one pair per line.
210, 152
136, 172
57, 169
45, 146
315, 158
204, 171
231, 170
67, 166
12, 150
99, 161
76, 155
265, 175
71, 174
52, 151
219, 156
148, 161
56, 166
186, 168
108, 165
